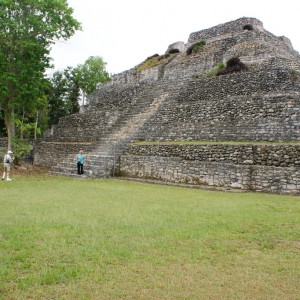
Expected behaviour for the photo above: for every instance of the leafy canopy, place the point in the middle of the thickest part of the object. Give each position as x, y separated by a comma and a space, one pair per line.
92, 72
28, 28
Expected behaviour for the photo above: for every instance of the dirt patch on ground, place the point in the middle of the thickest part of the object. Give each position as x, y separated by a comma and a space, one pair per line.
27, 169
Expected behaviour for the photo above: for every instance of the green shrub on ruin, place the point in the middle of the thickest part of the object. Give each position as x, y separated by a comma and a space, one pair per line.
220, 66
294, 74
20, 148
196, 47
233, 65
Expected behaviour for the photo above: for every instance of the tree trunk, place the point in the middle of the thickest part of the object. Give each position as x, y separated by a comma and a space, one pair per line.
83, 97
36, 123
22, 124
9, 123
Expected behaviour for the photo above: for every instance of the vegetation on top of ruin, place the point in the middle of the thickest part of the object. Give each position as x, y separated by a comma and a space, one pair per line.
196, 47
152, 61
233, 65
294, 74
212, 73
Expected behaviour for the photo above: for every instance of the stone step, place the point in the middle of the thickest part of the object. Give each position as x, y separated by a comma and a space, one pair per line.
88, 171
102, 154
89, 165
75, 175
91, 158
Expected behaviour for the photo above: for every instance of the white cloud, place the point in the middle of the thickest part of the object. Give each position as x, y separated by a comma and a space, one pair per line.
124, 33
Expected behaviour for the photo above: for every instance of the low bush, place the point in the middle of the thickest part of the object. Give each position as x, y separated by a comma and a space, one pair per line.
196, 47
220, 66
294, 74
152, 56
233, 65
20, 148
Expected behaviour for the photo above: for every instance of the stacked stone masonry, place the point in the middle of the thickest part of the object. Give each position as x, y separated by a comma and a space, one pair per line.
177, 101
269, 168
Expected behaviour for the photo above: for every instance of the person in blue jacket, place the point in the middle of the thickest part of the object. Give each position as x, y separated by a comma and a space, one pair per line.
80, 162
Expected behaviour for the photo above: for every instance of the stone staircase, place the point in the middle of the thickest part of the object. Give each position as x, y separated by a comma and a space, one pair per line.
102, 156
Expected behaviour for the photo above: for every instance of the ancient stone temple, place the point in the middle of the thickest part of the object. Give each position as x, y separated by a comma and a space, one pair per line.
192, 116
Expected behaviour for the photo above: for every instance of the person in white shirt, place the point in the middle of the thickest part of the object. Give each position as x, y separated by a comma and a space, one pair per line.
7, 162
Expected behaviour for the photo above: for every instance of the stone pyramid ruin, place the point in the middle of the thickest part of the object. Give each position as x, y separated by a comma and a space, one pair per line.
221, 110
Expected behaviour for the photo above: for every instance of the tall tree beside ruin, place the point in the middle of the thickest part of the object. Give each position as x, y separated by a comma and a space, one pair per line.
63, 95
28, 28
91, 73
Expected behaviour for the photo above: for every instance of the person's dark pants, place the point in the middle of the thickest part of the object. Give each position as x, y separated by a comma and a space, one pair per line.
79, 168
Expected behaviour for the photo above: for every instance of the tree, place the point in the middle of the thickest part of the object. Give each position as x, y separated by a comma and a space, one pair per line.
30, 115
63, 95
56, 103
65, 87
90, 74
73, 90
28, 28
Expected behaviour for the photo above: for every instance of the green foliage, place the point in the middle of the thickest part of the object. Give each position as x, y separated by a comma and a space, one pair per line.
63, 95
73, 90
30, 122
27, 30
294, 74
195, 48
20, 148
233, 65
66, 87
220, 66
90, 74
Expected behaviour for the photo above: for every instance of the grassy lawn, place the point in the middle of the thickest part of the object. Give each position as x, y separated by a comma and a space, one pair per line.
63, 238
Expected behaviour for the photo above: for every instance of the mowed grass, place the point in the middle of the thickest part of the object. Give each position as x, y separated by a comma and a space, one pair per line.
63, 238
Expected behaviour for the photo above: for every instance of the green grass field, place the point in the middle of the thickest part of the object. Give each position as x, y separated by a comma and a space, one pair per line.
63, 238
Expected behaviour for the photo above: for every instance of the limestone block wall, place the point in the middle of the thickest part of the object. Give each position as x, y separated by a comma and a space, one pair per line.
84, 130
133, 76
108, 105
234, 31
257, 48
228, 28
47, 153
267, 168
84, 127
243, 107
118, 94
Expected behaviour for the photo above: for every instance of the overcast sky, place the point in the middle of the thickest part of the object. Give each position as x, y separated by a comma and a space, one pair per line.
125, 32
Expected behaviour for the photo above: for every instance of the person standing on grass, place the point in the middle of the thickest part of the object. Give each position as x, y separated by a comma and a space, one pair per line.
7, 162
80, 162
